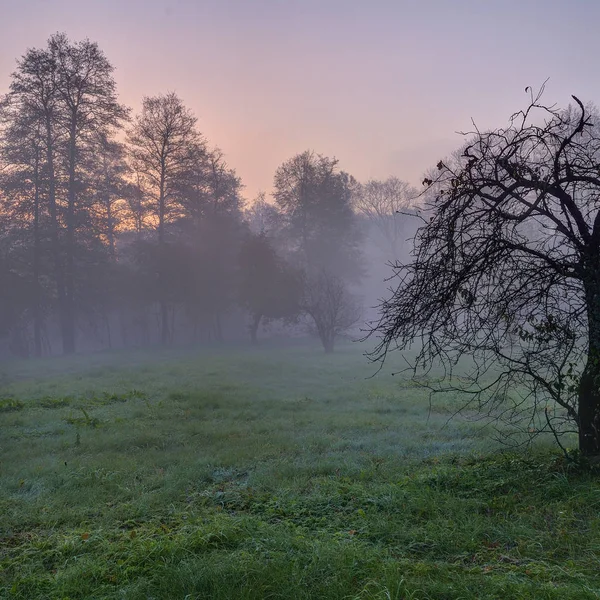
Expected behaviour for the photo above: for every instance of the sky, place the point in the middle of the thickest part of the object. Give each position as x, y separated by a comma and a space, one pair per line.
382, 85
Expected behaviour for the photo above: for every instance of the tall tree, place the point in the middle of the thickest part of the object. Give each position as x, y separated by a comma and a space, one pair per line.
86, 90
322, 237
23, 186
507, 271
164, 144
33, 98
262, 217
111, 188
67, 90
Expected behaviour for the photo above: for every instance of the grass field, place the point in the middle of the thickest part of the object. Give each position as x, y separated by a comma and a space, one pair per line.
276, 472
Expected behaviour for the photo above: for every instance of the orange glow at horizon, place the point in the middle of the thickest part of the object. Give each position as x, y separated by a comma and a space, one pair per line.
382, 86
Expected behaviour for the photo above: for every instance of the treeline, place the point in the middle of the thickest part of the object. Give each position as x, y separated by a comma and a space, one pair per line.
120, 229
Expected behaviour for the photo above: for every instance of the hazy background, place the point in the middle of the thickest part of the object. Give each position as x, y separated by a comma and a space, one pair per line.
192, 441
381, 85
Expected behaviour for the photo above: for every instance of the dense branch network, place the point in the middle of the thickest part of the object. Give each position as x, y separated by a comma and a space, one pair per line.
505, 278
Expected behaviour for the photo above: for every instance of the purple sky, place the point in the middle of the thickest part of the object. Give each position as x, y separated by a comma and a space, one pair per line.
383, 85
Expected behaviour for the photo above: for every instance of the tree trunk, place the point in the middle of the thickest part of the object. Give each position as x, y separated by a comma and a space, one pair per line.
37, 308
327, 339
256, 319
589, 407
124, 329
165, 334
108, 332
164, 323
172, 318
589, 385
110, 225
110, 230
218, 327
58, 264
69, 342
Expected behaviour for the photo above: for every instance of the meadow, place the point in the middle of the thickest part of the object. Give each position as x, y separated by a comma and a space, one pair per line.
274, 472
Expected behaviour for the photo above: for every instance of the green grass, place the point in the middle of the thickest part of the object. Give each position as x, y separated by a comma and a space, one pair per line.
276, 472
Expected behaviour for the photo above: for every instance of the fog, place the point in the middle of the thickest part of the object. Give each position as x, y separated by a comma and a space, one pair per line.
128, 230
363, 381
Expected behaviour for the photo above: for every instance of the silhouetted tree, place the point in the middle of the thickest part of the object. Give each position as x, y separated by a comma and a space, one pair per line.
330, 305
65, 94
213, 247
111, 189
87, 96
269, 287
314, 199
23, 215
382, 204
507, 272
211, 228
320, 235
263, 217
91, 229
164, 146
15, 301
33, 100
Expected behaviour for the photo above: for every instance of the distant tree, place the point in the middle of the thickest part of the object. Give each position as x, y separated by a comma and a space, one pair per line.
111, 188
262, 217
224, 186
269, 287
330, 305
214, 248
164, 144
23, 214
507, 272
315, 202
382, 204
65, 93
138, 207
33, 101
87, 99
14, 303
212, 227
94, 232
320, 235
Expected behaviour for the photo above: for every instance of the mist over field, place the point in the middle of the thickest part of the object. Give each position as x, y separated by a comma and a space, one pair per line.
269, 328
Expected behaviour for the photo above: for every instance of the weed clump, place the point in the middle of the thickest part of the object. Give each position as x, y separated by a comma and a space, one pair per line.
58, 402
10, 405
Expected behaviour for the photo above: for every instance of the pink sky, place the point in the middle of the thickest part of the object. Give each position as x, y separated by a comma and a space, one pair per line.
381, 85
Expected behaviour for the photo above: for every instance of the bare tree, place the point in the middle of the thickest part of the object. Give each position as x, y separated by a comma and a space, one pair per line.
86, 92
66, 92
164, 144
33, 98
112, 190
331, 307
507, 272
139, 207
381, 203
262, 217
23, 185
321, 237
